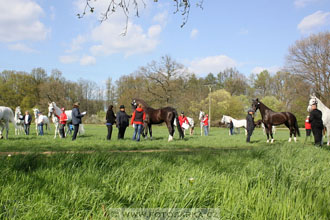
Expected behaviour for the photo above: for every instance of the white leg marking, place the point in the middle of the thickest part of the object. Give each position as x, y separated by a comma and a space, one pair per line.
267, 141
295, 139
290, 139
272, 141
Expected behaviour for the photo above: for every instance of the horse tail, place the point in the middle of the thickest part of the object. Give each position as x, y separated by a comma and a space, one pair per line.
12, 118
296, 127
181, 134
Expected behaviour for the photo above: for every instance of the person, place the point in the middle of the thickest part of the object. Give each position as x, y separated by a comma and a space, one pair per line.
231, 127
308, 127
138, 118
205, 122
183, 119
76, 119
315, 118
111, 119
122, 122
249, 124
63, 118
27, 118
40, 124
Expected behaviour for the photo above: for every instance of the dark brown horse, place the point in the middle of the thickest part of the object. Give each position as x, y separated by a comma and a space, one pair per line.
270, 118
158, 116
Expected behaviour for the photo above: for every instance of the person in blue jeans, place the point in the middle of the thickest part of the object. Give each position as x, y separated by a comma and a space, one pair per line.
40, 124
137, 121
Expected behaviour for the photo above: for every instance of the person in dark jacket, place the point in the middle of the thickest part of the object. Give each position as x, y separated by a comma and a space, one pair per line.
315, 118
137, 120
249, 124
27, 118
111, 119
76, 119
231, 127
122, 122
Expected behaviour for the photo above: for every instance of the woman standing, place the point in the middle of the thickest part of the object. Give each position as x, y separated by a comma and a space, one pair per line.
76, 119
206, 125
111, 119
315, 118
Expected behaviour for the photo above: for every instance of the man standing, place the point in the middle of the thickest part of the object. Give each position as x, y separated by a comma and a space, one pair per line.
27, 122
315, 118
76, 119
137, 119
231, 127
122, 122
249, 124
206, 125
63, 119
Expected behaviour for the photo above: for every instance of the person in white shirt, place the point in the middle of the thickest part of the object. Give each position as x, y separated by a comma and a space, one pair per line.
40, 124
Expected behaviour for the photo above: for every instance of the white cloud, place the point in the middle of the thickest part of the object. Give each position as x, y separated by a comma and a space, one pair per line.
136, 41
68, 59
19, 20
21, 47
314, 21
303, 3
272, 69
87, 60
161, 18
76, 44
193, 33
211, 64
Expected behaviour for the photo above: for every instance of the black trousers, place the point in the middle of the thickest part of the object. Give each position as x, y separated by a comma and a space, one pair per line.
121, 132
308, 132
76, 129
62, 133
249, 134
27, 129
317, 132
109, 132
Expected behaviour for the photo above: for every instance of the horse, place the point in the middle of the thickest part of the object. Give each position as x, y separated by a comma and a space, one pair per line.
18, 121
52, 107
45, 120
200, 118
6, 115
158, 116
190, 126
325, 113
237, 123
270, 118
259, 122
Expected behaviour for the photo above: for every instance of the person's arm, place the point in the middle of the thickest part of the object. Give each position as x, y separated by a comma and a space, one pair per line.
144, 116
118, 119
133, 118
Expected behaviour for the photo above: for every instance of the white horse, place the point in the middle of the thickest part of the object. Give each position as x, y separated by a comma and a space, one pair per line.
201, 118
52, 107
190, 126
236, 123
325, 113
18, 121
6, 115
45, 120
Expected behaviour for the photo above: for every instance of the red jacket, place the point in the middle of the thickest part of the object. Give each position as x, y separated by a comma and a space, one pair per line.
307, 124
63, 118
183, 120
206, 121
138, 116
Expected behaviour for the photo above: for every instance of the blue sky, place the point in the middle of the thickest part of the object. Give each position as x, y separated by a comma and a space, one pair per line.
248, 35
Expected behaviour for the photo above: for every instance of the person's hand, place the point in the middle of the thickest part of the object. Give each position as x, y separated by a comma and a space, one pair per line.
84, 113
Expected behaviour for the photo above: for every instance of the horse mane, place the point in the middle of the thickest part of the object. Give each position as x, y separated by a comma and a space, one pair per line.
265, 106
142, 102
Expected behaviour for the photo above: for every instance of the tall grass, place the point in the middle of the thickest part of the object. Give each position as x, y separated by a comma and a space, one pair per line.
256, 181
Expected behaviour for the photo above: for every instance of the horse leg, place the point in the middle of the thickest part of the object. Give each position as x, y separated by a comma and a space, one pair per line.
271, 133
1, 130
170, 131
150, 131
267, 133
7, 129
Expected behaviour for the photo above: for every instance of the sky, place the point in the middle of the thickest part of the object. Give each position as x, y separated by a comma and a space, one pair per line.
250, 36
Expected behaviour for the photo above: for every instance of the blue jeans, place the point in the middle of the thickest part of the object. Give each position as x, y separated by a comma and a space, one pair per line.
231, 131
41, 129
137, 131
206, 130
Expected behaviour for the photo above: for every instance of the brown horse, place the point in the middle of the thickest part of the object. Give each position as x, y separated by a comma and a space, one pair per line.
158, 116
270, 118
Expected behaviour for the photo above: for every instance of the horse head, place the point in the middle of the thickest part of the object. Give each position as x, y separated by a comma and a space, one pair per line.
135, 102
201, 115
255, 104
313, 100
51, 108
223, 120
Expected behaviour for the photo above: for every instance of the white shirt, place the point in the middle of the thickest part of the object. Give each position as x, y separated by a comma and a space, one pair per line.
26, 119
40, 119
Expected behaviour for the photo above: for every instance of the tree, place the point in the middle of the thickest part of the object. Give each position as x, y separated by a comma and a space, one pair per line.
309, 58
109, 92
262, 84
128, 7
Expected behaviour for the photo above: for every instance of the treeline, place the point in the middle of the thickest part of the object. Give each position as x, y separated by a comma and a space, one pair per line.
169, 83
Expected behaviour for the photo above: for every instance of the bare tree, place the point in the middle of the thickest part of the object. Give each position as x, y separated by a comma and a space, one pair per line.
128, 7
309, 58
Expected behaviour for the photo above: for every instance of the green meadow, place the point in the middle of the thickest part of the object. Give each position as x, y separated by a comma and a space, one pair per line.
85, 179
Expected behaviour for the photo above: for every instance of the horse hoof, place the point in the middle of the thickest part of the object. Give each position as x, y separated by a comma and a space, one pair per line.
267, 141
289, 140
272, 141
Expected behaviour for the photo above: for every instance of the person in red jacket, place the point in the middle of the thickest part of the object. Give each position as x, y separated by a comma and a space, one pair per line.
308, 128
63, 119
137, 120
206, 125
183, 119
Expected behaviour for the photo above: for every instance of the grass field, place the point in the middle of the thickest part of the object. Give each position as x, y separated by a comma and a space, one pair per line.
244, 181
